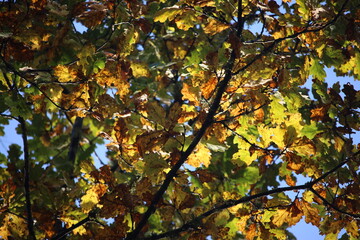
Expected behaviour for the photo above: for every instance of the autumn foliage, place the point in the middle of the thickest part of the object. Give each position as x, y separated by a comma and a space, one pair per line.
217, 117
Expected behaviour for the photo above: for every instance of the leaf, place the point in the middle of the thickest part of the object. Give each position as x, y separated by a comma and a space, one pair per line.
13, 226
320, 114
154, 165
304, 147
65, 74
200, 156
168, 13
311, 213
214, 26
140, 70
91, 13
86, 58
186, 20
290, 216
18, 106
311, 130
190, 93
317, 70
92, 197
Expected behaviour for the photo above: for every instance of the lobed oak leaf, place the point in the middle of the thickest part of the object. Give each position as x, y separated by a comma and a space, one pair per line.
311, 213
65, 74
294, 162
290, 215
186, 20
251, 231
214, 26
168, 13
191, 94
92, 197
91, 13
320, 113
187, 113
150, 141
304, 147
207, 88
279, 234
352, 228
201, 155
13, 227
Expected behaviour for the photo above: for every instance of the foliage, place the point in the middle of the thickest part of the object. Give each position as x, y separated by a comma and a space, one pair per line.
202, 105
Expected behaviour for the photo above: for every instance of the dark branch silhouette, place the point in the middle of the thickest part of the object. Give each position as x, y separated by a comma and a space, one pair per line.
196, 222
75, 139
213, 109
30, 220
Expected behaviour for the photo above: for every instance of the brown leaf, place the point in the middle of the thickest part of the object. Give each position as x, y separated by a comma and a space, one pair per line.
151, 140
320, 113
311, 214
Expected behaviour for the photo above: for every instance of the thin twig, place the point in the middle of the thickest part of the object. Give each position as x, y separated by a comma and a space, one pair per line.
326, 202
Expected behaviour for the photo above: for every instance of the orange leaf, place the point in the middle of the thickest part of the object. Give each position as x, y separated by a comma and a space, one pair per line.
208, 87
191, 94
320, 114
214, 26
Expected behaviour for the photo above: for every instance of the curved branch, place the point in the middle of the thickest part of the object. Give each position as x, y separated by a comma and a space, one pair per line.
326, 202
184, 155
196, 222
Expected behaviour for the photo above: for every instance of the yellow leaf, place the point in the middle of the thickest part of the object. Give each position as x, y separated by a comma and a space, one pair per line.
291, 215
304, 147
278, 135
186, 20
85, 58
201, 155
92, 197
353, 229
140, 70
13, 227
308, 196
107, 78
168, 13
188, 112
214, 26
65, 74
279, 233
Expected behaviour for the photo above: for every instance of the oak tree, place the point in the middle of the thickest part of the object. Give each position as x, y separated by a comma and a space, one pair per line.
211, 112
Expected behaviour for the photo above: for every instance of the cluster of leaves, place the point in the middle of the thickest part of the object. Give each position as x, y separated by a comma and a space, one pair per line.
202, 105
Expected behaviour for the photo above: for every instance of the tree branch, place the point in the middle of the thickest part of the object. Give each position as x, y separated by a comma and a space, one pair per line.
326, 202
70, 229
30, 220
75, 139
196, 222
206, 124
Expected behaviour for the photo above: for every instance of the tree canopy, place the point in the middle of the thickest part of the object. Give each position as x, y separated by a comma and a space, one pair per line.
203, 107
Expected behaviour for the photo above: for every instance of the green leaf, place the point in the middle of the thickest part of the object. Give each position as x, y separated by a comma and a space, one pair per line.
317, 69
18, 106
311, 130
